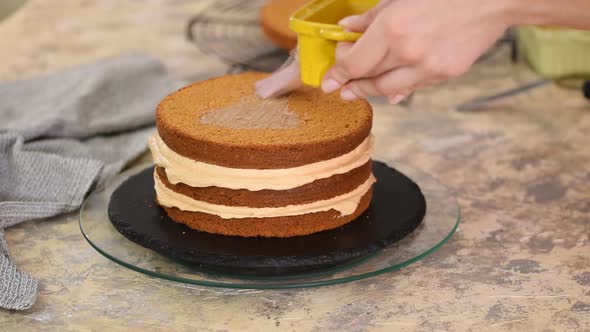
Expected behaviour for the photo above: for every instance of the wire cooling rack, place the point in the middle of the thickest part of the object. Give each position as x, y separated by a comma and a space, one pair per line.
230, 31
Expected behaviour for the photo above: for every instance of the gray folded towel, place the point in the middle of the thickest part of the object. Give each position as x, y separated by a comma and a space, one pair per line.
63, 133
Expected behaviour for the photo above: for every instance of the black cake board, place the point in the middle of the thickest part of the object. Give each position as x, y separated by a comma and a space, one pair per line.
397, 208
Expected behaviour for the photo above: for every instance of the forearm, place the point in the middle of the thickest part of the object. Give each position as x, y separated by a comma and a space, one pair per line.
565, 13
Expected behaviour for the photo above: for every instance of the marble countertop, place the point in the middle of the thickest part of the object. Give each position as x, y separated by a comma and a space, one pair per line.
521, 173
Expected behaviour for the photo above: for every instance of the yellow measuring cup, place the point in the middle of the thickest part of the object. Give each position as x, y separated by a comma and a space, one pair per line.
316, 25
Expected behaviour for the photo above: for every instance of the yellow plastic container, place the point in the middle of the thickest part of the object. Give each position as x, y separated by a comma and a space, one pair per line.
556, 52
318, 32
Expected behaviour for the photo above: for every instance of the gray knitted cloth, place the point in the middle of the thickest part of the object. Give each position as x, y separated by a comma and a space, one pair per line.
63, 133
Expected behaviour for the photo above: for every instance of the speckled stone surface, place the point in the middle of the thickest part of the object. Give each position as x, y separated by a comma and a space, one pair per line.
521, 172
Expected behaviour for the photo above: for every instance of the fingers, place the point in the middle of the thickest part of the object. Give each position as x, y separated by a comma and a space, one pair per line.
357, 61
398, 97
360, 23
342, 49
396, 84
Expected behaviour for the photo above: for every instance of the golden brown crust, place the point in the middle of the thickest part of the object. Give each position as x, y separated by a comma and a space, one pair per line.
274, 20
329, 127
318, 190
268, 227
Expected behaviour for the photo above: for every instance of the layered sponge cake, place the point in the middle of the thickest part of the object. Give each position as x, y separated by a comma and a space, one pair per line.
230, 163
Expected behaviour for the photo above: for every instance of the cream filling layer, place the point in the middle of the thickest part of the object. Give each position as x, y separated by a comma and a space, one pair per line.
180, 169
346, 204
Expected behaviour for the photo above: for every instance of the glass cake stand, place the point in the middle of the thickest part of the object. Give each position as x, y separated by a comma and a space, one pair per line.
439, 224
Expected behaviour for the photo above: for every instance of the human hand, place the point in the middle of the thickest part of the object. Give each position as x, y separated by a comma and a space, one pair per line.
287, 77
409, 44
